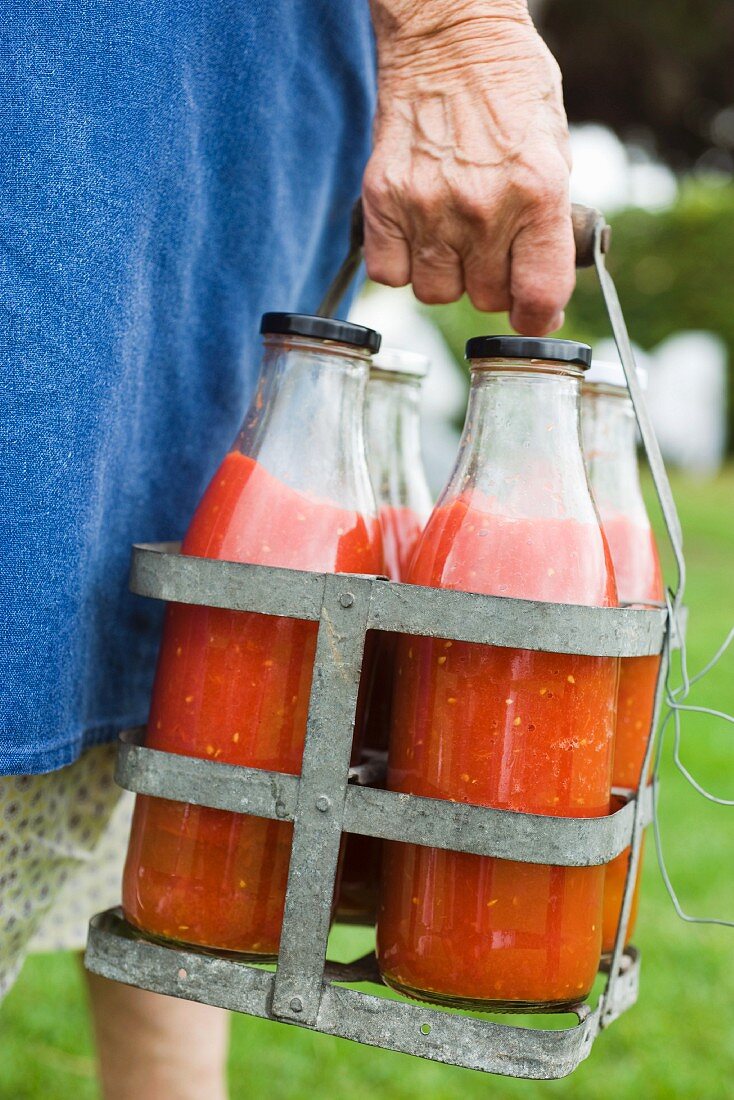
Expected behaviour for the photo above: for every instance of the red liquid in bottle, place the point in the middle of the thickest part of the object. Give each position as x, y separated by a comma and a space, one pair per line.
513, 729
360, 878
234, 687
639, 580
401, 529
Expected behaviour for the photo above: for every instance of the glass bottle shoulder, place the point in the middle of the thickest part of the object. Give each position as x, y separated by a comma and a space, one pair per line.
247, 514
469, 545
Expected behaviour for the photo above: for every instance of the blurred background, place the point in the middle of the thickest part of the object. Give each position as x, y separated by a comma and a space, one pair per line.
650, 94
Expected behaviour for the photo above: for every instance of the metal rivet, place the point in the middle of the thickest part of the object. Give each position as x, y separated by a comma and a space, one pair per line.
323, 803
296, 1004
346, 599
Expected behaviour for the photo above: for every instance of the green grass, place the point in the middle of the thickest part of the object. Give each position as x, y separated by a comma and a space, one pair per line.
676, 1043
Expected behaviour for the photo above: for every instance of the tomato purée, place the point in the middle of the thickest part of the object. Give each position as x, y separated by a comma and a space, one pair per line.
513, 729
639, 580
234, 687
401, 529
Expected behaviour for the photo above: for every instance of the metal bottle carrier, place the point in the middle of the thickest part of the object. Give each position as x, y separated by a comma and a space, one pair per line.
328, 798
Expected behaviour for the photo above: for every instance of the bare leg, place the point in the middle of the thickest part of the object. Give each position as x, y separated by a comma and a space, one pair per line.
149, 1046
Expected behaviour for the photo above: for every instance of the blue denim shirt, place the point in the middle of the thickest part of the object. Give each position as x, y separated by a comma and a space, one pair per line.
169, 171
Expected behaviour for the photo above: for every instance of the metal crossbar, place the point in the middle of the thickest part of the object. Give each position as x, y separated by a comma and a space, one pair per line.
388, 815
160, 573
117, 952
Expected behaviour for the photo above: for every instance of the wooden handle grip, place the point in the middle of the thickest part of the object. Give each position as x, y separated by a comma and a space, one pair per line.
584, 220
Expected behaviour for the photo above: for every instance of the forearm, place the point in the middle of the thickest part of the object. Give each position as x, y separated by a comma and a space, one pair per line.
421, 40
403, 20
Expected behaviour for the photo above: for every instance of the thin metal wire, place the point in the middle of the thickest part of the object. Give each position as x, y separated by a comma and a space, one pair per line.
674, 697
688, 917
715, 659
676, 706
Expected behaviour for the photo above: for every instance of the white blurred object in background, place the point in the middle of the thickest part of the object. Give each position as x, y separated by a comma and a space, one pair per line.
606, 351
610, 175
686, 396
397, 316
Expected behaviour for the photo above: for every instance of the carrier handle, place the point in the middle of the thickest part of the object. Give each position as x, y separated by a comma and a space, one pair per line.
584, 220
587, 222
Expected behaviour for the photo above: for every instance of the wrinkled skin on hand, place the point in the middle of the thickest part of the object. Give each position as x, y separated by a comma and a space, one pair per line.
467, 185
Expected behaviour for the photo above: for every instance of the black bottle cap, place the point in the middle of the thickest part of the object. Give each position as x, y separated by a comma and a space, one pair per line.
320, 328
528, 347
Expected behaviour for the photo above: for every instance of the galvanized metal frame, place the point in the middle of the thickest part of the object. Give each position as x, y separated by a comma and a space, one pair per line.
322, 803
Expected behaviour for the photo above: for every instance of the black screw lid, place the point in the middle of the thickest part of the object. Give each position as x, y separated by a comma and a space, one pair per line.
528, 347
320, 328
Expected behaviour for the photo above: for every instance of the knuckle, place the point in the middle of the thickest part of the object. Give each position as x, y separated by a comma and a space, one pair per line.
487, 296
375, 190
488, 301
385, 273
435, 294
436, 271
472, 206
543, 186
427, 201
524, 188
536, 191
434, 253
420, 202
380, 187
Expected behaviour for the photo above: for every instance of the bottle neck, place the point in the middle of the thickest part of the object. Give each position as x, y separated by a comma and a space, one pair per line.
520, 449
610, 444
392, 419
305, 421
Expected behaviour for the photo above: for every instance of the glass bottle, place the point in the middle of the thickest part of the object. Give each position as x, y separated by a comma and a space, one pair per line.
392, 428
513, 729
231, 686
610, 443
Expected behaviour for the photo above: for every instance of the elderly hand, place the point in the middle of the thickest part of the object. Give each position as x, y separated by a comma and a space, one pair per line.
467, 185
